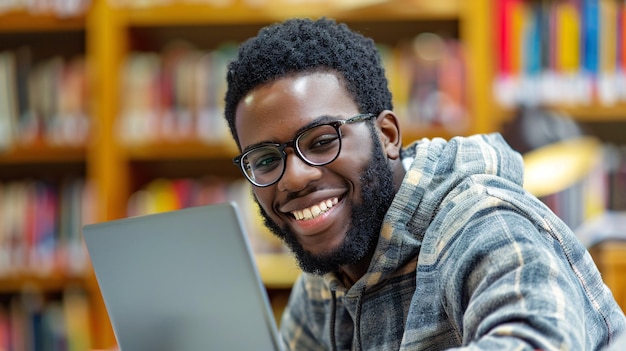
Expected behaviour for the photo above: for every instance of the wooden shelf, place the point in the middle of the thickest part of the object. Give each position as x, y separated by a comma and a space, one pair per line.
41, 153
189, 14
54, 282
591, 113
397, 10
241, 13
595, 113
183, 150
23, 21
410, 134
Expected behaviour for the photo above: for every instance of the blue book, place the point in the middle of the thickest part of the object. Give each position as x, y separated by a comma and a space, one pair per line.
533, 42
590, 35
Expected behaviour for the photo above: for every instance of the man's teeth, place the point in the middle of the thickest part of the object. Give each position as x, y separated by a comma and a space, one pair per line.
315, 210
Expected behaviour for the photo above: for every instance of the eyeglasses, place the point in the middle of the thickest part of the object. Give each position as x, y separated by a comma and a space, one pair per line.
319, 145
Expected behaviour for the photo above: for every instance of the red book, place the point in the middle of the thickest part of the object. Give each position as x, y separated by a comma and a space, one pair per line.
621, 34
501, 15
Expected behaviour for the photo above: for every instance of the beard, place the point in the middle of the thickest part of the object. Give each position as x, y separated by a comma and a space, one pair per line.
366, 219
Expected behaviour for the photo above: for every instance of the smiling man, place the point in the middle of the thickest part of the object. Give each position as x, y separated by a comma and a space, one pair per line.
330, 216
432, 246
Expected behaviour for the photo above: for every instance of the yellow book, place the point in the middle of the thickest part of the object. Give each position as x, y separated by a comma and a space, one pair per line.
568, 38
163, 195
77, 320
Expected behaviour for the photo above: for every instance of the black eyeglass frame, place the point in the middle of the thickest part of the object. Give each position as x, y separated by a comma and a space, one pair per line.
293, 143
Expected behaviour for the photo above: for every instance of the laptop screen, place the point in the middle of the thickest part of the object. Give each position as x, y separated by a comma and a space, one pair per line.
182, 280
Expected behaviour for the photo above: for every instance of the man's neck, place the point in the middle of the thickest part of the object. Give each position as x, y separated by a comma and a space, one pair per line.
350, 274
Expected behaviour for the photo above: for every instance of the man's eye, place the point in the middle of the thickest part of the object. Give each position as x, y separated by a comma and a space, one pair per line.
267, 162
323, 141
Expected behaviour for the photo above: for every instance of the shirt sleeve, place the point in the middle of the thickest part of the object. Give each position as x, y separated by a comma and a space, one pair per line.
510, 286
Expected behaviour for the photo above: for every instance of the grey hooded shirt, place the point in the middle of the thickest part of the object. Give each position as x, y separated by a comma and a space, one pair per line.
466, 260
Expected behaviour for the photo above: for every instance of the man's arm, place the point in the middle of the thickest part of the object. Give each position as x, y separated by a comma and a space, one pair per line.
511, 285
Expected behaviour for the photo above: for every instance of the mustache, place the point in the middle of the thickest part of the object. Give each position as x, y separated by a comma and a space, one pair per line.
311, 188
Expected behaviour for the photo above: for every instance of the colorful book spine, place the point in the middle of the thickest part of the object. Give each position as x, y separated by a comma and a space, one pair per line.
503, 13
174, 95
8, 108
518, 20
578, 43
42, 102
621, 38
567, 39
617, 178
161, 194
532, 49
40, 227
35, 320
607, 84
590, 36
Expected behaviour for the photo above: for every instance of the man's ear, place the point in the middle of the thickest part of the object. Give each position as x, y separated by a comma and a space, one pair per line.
391, 139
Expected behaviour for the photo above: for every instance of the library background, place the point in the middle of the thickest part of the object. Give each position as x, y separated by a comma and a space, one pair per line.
113, 108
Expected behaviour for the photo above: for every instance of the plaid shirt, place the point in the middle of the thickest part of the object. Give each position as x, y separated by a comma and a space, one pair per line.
466, 259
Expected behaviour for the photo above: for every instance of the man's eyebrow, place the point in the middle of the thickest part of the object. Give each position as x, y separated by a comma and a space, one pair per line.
317, 121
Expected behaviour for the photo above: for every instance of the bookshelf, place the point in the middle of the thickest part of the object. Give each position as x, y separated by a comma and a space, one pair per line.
44, 187
108, 33
566, 55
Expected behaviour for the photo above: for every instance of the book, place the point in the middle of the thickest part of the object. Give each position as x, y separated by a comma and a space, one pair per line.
607, 83
567, 51
76, 313
8, 108
138, 119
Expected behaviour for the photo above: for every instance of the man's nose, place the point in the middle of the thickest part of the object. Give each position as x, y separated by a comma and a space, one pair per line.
297, 174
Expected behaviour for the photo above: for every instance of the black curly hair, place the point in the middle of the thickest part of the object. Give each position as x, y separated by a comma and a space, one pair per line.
306, 45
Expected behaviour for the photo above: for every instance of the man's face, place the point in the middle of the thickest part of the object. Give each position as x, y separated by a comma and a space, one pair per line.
353, 191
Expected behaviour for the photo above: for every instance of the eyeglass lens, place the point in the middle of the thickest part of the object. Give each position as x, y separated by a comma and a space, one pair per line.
316, 146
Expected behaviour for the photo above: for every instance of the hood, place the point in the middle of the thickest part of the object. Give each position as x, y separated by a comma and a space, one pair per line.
437, 171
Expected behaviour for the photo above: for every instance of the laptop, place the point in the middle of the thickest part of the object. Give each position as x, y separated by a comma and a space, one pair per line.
183, 280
